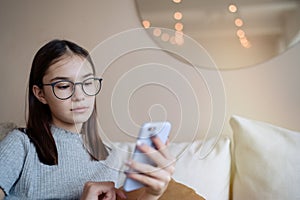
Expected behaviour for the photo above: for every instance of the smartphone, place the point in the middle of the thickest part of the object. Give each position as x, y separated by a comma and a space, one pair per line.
148, 130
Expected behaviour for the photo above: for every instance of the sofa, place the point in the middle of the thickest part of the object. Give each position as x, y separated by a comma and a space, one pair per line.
259, 161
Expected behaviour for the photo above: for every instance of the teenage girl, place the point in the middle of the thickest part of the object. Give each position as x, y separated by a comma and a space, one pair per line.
60, 154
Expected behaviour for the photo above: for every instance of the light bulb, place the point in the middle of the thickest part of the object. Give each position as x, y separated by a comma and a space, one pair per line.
146, 23
232, 8
177, 15
178, 26
238, 22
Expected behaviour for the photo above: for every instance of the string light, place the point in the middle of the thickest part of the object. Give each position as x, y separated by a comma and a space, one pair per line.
178, 38
232, 8
177, 15
177, 1
240, 33
238, 22
146, 23
245, 42
178, 26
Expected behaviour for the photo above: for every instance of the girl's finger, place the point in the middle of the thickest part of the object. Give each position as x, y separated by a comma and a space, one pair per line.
161, 147
157, 183
145, 169
120, 193
158, 157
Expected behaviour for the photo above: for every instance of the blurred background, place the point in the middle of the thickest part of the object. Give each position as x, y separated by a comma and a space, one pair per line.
167, 88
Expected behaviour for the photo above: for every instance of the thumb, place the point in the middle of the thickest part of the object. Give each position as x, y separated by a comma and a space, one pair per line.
120, 194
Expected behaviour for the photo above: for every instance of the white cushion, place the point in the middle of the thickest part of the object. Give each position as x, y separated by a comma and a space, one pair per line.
209, 177
267, 161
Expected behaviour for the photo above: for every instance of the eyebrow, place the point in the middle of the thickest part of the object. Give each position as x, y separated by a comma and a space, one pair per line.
67, 78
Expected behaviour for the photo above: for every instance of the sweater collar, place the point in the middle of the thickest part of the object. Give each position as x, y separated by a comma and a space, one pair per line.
57, 130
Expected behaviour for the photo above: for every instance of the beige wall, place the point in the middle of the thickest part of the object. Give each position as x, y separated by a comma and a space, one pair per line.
27, 25
269, 91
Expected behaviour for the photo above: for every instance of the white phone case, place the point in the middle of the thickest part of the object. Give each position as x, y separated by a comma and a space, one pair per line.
161, 130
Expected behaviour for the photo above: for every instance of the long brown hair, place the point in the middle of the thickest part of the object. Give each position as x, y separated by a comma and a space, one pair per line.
39, 114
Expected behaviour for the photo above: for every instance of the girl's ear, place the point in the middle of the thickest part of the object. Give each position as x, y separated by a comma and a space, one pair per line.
39, 94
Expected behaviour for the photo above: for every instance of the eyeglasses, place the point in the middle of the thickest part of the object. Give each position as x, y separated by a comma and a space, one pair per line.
64, 89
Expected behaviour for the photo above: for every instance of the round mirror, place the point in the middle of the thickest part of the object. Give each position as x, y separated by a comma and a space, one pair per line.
236, 34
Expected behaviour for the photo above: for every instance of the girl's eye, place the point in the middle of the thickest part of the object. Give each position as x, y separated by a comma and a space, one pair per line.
87, 83
63, 86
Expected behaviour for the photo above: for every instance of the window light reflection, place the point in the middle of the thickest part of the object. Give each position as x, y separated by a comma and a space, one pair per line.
165, 37
157, 32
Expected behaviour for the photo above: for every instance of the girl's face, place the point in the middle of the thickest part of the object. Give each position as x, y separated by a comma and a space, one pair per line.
72, 112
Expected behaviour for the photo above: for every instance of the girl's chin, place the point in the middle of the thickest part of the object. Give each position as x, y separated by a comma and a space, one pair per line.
80, 119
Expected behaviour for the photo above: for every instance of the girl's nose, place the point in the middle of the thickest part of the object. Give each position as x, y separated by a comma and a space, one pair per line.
78, 93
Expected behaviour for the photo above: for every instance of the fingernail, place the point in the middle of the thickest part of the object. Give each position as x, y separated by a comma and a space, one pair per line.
139, 143
128, 162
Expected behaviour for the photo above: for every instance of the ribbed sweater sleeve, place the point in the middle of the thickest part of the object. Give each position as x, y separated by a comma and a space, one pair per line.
23, 176
12, 155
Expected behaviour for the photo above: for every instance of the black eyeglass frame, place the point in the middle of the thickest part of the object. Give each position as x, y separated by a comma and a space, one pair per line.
74, 86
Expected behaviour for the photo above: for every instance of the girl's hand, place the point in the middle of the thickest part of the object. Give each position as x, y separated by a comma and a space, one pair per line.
100, 190
2, 195
156, 179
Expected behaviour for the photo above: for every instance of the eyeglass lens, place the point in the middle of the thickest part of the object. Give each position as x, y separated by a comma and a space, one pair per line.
65, 89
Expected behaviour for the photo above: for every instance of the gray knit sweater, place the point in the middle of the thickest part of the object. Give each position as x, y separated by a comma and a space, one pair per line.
23, 176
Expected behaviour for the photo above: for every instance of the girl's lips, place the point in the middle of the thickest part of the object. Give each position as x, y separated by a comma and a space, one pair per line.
79, 109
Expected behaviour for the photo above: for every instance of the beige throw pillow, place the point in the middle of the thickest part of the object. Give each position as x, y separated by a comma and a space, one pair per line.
266, 161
